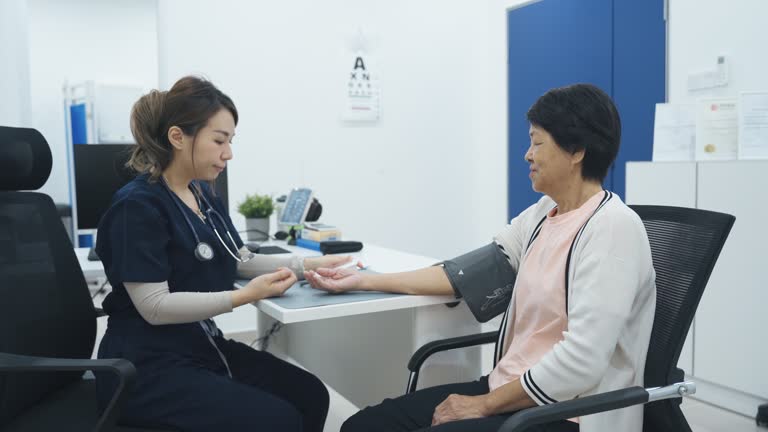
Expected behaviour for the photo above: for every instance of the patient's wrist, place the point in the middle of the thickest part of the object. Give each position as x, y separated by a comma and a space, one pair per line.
488, 405
367, 282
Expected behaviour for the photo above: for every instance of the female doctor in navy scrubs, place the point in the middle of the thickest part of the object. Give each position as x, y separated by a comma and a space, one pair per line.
171, 255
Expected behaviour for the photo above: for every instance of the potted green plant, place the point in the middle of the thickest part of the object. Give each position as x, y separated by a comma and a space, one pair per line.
257, 209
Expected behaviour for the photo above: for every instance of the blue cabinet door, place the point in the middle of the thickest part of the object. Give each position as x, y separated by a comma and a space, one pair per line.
552, 43
639, 75
618, 45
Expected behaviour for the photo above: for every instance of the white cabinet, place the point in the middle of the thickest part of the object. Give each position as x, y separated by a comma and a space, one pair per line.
726, 351
732, 320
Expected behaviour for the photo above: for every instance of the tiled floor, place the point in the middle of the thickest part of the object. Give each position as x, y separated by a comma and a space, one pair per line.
702, 417
707, 418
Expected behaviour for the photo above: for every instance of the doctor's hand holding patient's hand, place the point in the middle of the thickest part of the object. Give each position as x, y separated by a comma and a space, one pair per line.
267, 285
335, 280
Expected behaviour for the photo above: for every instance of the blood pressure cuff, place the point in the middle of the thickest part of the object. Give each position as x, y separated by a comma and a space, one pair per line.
484, 279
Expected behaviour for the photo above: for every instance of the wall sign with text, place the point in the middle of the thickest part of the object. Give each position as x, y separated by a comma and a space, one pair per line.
361, 101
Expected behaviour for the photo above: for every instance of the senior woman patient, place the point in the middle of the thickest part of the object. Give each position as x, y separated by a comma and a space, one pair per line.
574, 272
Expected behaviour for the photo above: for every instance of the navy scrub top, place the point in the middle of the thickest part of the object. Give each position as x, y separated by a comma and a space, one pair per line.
143, 237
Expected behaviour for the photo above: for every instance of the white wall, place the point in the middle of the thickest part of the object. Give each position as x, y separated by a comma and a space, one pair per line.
407, 181
699, 31
14, 73
78, 40
489, 180
430, 177
444, 94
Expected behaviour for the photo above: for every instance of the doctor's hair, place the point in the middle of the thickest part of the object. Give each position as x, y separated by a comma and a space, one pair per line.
189, 104
581, 116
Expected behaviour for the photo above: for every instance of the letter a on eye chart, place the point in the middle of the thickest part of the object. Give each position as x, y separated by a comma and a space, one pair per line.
361, 100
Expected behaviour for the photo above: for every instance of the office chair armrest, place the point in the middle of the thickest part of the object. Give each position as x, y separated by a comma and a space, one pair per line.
587, 405
124, 370
426, 350
23, 363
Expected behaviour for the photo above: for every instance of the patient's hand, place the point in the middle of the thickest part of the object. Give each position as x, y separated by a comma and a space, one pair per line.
459, 407
335, 280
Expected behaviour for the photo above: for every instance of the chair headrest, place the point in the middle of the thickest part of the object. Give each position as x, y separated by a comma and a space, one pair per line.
25, 159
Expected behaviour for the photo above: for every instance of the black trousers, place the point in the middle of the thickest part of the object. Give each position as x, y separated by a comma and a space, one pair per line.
264, 394
413, 412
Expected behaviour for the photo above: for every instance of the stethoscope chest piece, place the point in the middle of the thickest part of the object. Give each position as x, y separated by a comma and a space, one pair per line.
203, 251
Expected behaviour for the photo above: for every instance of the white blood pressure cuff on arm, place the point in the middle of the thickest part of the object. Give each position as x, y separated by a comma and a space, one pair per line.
484, 279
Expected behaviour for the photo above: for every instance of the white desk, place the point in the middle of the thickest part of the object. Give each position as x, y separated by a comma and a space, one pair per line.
379, 259
92, 270
361, 349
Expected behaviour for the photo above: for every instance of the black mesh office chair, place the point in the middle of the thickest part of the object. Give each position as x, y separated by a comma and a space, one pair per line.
685, 244
47, 318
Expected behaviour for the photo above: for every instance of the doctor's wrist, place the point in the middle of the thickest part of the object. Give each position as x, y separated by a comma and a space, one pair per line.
245, 295
310, 263
298, 266
238, 298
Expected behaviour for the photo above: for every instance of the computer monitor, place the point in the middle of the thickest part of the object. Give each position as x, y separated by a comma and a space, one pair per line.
100, 172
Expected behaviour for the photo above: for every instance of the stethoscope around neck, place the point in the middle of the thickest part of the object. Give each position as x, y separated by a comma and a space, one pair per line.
204, 251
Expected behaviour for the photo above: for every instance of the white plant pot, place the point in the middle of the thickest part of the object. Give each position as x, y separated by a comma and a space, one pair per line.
257, 229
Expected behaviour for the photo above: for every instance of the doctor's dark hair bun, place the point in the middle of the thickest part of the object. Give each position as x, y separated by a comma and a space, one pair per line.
189, 104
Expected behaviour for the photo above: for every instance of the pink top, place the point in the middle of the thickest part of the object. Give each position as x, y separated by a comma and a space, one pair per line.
540, 308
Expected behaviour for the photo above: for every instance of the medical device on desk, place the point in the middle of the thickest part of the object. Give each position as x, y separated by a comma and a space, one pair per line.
301, 206
204, 251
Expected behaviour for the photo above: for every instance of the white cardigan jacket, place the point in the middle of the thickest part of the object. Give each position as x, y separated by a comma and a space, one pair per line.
611, 299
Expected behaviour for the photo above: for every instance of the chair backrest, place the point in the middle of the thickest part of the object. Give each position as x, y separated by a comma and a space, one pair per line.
685, 244
45, 306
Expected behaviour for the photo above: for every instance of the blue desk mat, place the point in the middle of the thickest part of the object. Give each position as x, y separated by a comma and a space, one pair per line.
302, 295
